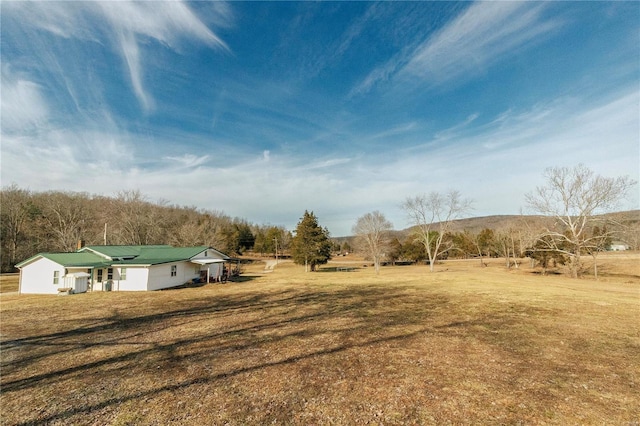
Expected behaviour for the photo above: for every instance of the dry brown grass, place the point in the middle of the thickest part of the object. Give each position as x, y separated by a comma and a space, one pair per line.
9, 283
464, 345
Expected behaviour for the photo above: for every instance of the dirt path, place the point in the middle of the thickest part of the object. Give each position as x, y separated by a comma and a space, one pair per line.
271, 263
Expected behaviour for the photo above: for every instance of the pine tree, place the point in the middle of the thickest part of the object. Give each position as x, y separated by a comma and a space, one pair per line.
311, 245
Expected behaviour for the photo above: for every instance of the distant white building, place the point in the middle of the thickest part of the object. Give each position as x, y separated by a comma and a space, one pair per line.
119, 268
618, 247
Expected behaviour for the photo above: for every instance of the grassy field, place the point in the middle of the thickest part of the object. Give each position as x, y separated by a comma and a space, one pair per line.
9, 283
464, 345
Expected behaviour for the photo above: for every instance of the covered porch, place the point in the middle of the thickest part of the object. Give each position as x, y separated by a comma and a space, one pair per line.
211, 270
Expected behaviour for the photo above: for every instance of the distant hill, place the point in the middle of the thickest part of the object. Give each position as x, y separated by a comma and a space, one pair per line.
498, 222
477, 224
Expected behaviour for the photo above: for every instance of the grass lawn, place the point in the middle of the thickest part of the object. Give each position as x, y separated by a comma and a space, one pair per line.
9, 283
464, 344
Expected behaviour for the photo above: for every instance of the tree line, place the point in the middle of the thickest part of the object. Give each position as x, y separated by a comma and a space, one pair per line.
54, 221
572, 198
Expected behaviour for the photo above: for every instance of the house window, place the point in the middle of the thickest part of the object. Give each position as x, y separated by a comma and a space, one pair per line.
123, 273
206, 253
110, 273
99, 279
56, 277
174, 270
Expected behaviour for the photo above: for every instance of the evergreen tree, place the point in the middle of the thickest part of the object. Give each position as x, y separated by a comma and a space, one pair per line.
395, 252
273, 240
260, 242
245, 237
311, 245
346, 248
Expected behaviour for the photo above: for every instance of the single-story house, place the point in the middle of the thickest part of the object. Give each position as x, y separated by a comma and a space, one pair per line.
120, 268
618, 246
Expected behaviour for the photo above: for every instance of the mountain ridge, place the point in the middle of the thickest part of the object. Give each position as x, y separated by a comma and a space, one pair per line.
499, 222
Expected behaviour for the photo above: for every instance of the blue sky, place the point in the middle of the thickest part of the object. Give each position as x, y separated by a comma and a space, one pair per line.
266, 109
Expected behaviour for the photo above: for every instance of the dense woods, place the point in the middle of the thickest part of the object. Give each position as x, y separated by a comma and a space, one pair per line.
33, 222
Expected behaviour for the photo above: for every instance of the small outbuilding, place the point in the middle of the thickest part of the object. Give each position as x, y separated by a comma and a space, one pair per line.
617, 246
120, 268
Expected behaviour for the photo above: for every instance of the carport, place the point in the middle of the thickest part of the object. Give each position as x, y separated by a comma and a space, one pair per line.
215, 268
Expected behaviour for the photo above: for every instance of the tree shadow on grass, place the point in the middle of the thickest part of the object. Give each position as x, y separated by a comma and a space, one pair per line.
226, 331
242, 279
143, 395
344, 269
231, 324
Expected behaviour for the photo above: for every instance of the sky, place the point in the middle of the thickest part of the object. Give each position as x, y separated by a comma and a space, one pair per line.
263, 110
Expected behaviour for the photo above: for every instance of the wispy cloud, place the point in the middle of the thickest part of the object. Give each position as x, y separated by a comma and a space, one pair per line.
238, 139
452, 132
373, 13
395, 131
495, 164
131, 54
187, 161
166, 24
602, 134
483, 34
327, 163
85, 161
127, 25
23, 106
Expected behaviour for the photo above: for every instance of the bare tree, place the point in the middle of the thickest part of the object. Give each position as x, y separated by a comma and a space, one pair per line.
66, 216
574, 196
138, 221
16, 213
371, 229
631, 235
508, 244
432, 216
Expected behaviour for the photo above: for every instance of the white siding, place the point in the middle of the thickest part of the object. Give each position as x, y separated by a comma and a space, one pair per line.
160, 275
79, 284
37, 277
136, 280
215, 270
208, 254
618, 247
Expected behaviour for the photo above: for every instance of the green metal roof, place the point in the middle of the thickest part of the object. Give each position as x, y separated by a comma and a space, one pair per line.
97, 256
121, 251
156, 255
79, 260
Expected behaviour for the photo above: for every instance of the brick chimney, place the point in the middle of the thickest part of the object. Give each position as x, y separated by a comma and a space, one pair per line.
80, 244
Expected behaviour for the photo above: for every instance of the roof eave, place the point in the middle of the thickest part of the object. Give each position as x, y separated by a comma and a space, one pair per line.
29, 260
